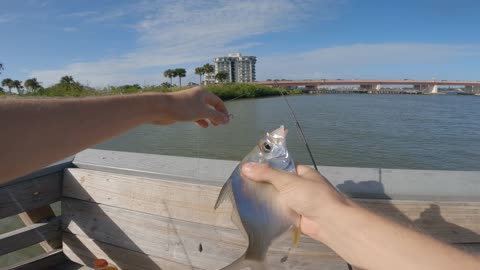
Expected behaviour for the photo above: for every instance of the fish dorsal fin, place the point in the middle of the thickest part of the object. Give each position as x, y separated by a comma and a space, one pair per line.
225, 193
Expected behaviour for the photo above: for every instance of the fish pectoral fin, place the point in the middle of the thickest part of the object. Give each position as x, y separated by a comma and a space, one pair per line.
225, 193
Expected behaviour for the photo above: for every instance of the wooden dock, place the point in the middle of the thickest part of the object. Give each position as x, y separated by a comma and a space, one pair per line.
143, 211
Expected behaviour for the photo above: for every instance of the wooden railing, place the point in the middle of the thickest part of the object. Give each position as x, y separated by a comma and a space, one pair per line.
156, 212
143, 211
31, 197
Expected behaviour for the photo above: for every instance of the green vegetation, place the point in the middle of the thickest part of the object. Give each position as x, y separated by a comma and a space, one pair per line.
173, 73
180, 72
235, 90
205, 69
68, 87
200, 71
32, 85
7, 82
221, 76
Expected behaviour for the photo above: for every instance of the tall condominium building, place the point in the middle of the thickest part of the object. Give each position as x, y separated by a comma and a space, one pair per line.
239, 68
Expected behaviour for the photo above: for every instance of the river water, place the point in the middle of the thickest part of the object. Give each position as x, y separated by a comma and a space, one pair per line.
388, 131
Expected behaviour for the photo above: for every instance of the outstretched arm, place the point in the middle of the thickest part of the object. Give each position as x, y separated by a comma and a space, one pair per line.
362, 238
37, 132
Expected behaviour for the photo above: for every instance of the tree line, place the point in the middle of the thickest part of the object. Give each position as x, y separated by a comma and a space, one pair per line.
31, 85
205, 69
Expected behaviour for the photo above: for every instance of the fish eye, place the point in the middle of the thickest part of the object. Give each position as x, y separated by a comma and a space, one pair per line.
266, 147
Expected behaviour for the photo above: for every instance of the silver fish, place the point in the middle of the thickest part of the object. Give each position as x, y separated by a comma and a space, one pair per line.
257, 211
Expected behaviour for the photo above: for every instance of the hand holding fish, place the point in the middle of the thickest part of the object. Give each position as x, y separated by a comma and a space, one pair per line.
308, 193
359, 236
195, 104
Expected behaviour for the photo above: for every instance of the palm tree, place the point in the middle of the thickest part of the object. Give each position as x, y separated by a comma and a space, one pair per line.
200, 71
169, 73
180, 72
32, 85
221, 76
18, 85
67, 80
7, 82
208, 68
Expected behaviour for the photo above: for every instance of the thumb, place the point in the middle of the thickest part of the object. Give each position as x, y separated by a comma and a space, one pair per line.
283, 181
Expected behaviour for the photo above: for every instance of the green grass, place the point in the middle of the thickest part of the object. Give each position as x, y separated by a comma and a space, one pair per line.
224, 91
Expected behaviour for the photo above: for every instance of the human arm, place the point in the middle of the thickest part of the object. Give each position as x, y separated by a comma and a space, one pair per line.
37, 132
362, 238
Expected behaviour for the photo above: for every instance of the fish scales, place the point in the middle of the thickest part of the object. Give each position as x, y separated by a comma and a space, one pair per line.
258, 212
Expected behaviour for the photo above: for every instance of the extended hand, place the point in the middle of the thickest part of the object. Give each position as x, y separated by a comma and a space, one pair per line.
195, 104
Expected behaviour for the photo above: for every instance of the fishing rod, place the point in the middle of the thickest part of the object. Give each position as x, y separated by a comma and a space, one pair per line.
299, 128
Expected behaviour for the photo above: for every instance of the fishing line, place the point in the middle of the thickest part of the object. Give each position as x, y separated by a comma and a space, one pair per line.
299, 128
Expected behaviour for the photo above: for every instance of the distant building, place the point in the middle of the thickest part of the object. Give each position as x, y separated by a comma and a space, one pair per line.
209, 78
239, 68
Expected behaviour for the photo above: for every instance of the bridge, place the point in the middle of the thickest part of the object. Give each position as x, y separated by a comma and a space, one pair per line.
419, 86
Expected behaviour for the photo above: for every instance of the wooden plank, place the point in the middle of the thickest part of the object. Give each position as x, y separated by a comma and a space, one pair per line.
41, 262
367, 183
84, 251
180, 241
27, 195
29, 235
56, 167
41, 214
455, 222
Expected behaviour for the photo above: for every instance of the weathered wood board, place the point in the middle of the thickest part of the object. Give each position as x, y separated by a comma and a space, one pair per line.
30, 235
180, 241
45, 261
27, 195
455, 222
84, 250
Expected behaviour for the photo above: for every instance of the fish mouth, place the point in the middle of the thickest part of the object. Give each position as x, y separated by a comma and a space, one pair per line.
280, 132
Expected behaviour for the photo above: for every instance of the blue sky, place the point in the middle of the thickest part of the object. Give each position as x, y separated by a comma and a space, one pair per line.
107, 42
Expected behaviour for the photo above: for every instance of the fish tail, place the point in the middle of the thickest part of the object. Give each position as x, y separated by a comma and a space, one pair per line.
242, 263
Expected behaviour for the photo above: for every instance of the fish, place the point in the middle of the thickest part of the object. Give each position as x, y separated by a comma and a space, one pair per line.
257, 210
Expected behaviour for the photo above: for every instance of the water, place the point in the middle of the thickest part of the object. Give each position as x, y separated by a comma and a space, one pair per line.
388, 131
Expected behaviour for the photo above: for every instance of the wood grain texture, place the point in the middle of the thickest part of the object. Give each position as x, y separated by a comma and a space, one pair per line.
455, 222
367, 183
84, 251
179, 241
30, 235
26, 195
42, 262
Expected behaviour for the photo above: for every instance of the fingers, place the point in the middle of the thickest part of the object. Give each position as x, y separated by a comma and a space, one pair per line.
261, 172
202, 123
216, 117
216, 102
219, 113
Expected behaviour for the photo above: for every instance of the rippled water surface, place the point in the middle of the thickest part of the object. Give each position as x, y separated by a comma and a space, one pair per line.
388, 131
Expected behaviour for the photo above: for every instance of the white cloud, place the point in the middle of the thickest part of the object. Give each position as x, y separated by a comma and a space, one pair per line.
181, 33
356, 60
